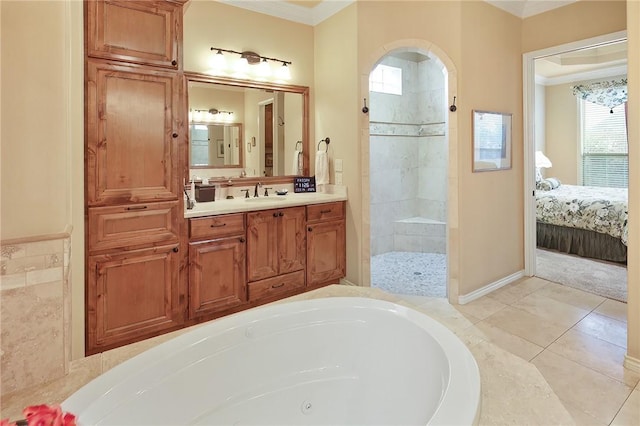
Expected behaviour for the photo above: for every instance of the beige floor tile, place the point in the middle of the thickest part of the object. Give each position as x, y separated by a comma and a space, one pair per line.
596, 354
630, 412
558, 312
443, 312
572, 296
591, 392
481, 308
517, 290
604, 328
528, 326
613, 309
505, 340
514, 392
580, 417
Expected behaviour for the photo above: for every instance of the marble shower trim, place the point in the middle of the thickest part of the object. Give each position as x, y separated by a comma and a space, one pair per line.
377, 128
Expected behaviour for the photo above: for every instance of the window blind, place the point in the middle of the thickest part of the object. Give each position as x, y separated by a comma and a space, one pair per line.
604, 146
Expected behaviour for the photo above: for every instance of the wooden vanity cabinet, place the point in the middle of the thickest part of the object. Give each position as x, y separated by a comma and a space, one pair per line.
147, 32
216, 264
326, 244
136, 243
276, 251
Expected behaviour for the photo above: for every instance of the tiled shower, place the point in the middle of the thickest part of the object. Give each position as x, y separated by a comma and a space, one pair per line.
408, 155
408, 163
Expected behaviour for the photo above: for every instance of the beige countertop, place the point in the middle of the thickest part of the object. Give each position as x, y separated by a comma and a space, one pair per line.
330, 194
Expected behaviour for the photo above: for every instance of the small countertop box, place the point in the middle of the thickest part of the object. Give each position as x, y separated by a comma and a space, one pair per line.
205, 193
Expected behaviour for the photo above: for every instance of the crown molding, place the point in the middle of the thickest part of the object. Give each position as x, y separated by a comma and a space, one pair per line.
292, 12
526, 8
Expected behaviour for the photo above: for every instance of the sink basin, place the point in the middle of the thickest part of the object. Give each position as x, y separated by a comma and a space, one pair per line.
264, 200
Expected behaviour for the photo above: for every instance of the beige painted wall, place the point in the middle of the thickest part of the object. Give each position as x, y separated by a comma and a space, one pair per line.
562, 133
578, 21
633, 267
42, 140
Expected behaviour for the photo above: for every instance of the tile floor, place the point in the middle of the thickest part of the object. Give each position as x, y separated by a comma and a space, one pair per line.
577, 340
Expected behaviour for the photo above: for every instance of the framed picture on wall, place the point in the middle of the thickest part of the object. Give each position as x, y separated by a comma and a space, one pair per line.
491, 141
220, 148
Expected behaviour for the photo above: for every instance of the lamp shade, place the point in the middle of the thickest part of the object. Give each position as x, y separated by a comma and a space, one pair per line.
542, 160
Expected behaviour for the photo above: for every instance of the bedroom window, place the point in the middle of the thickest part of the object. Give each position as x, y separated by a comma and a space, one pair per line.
604, 146
386, 79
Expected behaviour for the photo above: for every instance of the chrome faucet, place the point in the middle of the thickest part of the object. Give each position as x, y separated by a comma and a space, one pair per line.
255, 190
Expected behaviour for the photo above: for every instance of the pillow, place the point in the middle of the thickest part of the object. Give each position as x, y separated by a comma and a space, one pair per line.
548, 184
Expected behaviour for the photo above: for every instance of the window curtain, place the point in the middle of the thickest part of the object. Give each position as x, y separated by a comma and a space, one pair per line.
606, 93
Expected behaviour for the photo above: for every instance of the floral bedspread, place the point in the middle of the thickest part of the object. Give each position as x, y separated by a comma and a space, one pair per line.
597, 209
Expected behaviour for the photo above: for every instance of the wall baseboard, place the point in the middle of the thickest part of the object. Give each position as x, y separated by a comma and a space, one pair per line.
632, 363
483, 291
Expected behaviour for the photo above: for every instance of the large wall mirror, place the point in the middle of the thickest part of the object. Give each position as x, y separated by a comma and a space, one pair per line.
247, 129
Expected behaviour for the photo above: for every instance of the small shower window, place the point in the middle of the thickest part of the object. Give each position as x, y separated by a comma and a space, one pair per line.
386, 79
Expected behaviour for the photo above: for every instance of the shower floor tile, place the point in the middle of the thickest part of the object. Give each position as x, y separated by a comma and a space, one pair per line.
418, 274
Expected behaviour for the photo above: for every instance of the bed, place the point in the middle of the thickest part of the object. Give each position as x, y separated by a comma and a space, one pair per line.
584, 220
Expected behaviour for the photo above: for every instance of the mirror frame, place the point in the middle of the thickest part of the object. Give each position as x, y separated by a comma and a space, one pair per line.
251, 84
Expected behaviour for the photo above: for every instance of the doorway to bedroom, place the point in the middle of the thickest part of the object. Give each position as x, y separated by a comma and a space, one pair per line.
577, 150
408, 163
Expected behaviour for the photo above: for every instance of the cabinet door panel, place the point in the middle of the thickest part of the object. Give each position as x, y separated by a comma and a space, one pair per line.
326, 257
291, 240
217, 277
133, 225
131, 296
132, 152
146, 32
262, 245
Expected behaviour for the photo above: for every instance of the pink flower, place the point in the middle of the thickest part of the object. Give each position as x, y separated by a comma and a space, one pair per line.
6, 422
48, 415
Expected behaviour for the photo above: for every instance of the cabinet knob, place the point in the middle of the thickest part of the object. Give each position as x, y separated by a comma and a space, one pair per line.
309, 229
242, 240
175, 135
176, 249
280, 214
275, 214
174, 62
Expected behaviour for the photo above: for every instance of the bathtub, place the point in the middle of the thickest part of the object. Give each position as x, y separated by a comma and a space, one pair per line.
329, 361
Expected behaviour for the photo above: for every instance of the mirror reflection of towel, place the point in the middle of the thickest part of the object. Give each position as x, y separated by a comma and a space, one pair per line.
296, 164
322, 168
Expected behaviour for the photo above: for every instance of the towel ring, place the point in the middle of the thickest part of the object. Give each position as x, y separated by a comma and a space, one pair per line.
298, 143
326, 141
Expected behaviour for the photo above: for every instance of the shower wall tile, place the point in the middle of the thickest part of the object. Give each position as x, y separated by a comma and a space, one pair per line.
381, 245
433, 184
410, 243
432, 209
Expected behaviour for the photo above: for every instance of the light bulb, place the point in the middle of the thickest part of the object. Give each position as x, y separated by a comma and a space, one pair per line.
284, 73
218, 61
242, 65
264, 69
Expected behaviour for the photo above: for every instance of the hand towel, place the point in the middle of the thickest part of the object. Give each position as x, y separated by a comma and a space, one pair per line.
296, 165
322, 168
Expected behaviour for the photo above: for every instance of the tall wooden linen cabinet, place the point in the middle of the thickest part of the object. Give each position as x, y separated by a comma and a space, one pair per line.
134, 207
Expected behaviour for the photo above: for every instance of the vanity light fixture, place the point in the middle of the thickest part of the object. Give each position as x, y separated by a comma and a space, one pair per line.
243, 65
212, 114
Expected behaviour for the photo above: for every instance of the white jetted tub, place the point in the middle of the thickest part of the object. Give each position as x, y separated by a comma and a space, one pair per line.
330, 361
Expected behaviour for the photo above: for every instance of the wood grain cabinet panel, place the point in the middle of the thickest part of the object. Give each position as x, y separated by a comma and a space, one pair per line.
132, 135
131, 296
133, 225
275, 242
147, 32
326, 247
216, 275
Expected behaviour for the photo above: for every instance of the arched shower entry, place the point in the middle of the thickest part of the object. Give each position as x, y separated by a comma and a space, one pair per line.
410, 177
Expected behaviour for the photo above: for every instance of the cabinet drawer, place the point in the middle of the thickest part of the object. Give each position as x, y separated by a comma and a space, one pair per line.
216, 226
326, 211
276, 285
132, 225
